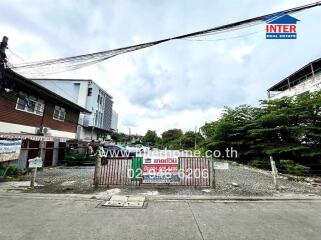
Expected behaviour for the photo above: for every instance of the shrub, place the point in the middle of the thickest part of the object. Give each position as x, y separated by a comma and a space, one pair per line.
13, 170
294, 168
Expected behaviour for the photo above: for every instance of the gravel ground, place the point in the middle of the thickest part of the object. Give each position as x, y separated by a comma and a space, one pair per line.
238, 180
65, 180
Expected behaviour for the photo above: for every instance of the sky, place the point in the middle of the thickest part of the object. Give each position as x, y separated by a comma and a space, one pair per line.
178, 84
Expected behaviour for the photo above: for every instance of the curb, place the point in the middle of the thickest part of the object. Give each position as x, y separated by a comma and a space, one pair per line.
232, 198
159, 198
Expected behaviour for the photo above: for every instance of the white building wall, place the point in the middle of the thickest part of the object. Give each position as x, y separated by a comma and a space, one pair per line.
18, 128
114, 121
310, 85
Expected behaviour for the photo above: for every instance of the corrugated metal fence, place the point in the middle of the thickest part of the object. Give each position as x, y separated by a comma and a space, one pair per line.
194, 171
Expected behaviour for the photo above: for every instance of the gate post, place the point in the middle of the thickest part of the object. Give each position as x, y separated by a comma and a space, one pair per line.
97, 170
212, 173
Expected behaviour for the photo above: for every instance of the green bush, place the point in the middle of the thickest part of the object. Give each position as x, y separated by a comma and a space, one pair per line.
260, 163
13, 170
294, 168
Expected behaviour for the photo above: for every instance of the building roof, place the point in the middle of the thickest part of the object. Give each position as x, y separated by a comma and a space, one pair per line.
70, 79
294, 77
23, 84
282, 19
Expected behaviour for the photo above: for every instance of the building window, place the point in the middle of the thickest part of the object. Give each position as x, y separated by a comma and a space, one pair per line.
90, 91
30, 104
59, 113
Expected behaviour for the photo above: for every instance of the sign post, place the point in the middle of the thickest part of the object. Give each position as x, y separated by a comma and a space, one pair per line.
34, 163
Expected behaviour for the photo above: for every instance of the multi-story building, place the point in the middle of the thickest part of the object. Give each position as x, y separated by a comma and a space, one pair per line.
87, 94
306, 79
35, 114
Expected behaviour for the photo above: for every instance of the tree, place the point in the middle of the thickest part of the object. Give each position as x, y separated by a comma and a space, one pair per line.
287, 128
189, 138
150, 138
120, 137
171, 138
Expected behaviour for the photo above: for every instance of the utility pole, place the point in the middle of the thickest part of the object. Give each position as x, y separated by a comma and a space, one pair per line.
195, 137
3, 47
3, 56
274, 173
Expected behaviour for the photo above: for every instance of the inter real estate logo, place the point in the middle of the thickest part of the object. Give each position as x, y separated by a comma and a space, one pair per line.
281, 27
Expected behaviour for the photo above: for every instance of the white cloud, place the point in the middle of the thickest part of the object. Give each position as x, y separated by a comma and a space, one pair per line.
239, 54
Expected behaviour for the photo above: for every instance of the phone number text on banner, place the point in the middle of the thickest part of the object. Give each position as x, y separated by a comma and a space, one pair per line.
156, 170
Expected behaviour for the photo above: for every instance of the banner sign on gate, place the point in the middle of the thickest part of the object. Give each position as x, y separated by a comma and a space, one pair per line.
160, 170
9, 150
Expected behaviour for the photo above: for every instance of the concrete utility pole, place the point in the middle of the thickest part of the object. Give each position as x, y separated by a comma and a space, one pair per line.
3, 56
195, 138
274, 173
3, 47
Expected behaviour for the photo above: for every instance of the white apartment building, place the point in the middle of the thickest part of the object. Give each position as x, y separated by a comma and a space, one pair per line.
306, 79
89, 95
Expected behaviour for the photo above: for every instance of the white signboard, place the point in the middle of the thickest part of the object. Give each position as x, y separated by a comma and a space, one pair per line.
35, 162
9, 150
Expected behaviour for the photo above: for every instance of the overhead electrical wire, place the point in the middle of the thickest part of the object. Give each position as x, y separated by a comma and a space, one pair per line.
39, 73
48, 67
233, 37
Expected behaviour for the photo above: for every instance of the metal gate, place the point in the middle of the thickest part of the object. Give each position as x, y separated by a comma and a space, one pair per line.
122, 171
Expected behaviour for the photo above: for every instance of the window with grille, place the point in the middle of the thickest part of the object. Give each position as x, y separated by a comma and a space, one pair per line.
59, 113
90, 91
30, 104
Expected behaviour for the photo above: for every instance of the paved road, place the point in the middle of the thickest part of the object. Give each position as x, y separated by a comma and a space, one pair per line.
49, 218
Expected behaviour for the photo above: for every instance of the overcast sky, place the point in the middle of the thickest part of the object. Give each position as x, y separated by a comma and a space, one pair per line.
180, 84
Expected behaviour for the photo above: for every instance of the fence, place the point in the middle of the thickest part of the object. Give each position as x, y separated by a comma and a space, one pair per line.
121, 171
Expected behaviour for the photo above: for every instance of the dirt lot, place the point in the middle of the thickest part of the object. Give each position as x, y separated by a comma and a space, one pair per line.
238, 180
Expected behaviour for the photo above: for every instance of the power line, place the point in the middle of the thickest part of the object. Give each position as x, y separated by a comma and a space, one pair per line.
53, 83
53, 66
231, 37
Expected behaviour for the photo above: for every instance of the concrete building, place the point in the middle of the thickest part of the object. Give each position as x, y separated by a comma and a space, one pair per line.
87, 94
306, 79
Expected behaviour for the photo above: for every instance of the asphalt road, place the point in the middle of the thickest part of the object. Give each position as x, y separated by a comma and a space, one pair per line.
49, 218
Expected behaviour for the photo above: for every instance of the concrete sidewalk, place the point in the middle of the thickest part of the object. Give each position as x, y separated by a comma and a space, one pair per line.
42, 216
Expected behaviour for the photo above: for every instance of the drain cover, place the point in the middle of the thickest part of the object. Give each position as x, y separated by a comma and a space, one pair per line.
114, 204
134, 204
125, 202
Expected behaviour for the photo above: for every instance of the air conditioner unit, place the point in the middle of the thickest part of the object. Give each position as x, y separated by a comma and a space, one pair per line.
43, 131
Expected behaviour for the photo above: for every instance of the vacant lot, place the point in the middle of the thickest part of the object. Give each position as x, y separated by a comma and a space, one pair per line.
238, 180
